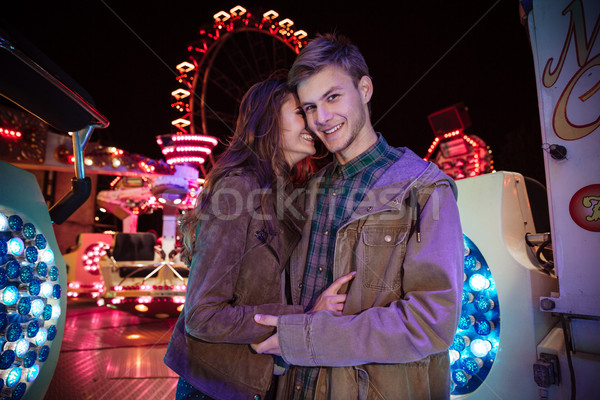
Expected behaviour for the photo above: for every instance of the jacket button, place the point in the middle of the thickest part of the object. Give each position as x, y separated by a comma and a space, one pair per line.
300, 285
369, 208
387, 238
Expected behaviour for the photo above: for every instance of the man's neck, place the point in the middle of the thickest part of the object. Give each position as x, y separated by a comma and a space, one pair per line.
362, 143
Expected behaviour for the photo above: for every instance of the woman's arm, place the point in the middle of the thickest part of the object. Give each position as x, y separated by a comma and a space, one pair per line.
211, 311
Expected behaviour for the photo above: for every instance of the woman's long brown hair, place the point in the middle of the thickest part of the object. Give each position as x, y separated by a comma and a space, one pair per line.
256, 146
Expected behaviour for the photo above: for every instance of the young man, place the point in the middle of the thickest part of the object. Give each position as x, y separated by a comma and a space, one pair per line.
391, 217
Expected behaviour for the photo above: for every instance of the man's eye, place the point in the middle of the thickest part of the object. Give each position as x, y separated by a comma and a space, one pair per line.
332, 97
309, 108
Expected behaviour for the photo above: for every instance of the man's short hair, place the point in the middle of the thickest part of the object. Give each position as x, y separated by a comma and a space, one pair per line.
325, 50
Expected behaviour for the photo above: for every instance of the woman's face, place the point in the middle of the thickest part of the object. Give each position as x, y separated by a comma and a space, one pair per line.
297, 142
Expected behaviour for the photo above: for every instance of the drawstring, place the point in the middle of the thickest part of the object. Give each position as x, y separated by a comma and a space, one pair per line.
415, 212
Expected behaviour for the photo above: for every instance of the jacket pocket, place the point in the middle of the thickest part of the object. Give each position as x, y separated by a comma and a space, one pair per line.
384, 250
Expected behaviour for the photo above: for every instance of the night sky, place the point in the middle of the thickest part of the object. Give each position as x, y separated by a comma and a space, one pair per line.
423, 56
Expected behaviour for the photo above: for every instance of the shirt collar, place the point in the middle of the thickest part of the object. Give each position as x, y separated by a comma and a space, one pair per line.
363, 160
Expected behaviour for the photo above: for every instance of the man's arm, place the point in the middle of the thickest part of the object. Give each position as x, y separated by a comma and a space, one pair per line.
420, 324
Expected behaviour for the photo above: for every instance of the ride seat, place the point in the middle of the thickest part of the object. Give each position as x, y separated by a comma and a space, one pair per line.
134, 253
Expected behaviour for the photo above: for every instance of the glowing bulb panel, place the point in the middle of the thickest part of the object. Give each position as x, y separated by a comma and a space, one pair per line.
29, 302
476, 341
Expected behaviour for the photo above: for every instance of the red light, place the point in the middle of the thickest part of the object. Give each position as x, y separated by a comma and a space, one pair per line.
10, 133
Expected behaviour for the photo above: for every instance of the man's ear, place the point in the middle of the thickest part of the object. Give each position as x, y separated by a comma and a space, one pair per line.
365, 87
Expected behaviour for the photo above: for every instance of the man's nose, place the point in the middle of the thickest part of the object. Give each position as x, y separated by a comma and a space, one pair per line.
323, 116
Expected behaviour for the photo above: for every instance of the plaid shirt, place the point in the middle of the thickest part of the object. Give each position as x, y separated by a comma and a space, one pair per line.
341, 190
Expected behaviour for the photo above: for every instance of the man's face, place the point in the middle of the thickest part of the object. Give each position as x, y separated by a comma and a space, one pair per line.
336, 111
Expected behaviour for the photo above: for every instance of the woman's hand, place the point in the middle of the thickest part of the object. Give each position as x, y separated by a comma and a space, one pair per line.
330, 299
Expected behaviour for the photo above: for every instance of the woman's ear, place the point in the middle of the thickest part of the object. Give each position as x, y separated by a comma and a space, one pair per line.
365, 87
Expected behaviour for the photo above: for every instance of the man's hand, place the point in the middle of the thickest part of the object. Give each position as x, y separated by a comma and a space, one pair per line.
329, 299
271, 344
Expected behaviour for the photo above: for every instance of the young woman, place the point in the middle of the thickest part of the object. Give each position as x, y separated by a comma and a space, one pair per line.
238, 241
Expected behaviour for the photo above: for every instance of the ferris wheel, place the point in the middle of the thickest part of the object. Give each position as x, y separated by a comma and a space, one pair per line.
239, 49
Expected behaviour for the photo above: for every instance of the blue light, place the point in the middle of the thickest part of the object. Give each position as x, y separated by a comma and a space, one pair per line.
454, 356
47, 255
471, 365
52, 332
3, 322
29, 231
16, 246
3, 248
21, 347
33, 373
37, 307
43, 353
26, 273
476, 341
41, 337
480, 348
3, 277
460, 342
47, 314
13, 377
56, 291
24, 305
10, 295
460, 377
46, 289
18, 391
466, 321
471, 263
33, 328
31, 254
483, 303
34, 287
56, 312
40, 241
29, 359
478, 282
13, 269
7, 358
53, 273
15, 223
467, 297
483, 327
14, 332
3, 222
42, 269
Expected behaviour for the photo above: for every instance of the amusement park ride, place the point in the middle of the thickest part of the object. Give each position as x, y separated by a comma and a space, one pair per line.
530, 316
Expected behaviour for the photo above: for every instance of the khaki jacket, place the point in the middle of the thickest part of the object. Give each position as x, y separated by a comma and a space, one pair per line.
403, 306
236, 272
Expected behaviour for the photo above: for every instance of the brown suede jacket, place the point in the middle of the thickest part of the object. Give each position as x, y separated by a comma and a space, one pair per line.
236, 272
